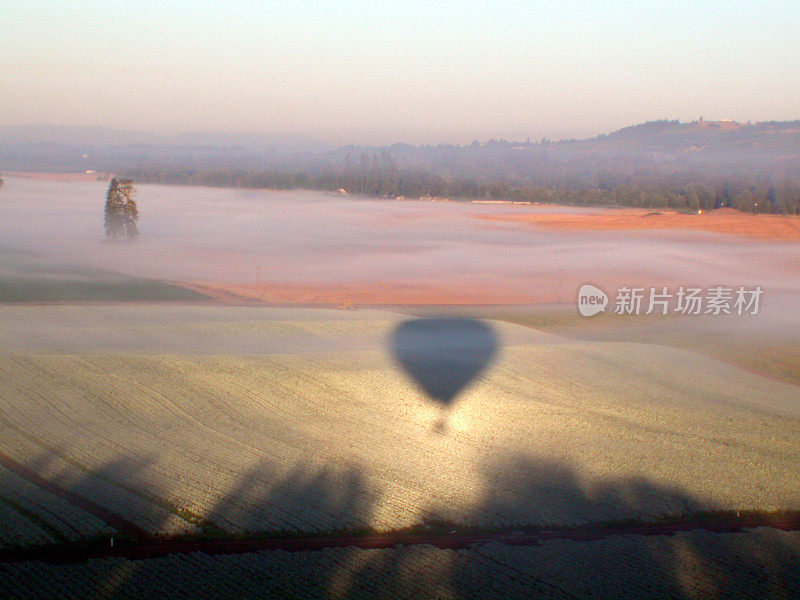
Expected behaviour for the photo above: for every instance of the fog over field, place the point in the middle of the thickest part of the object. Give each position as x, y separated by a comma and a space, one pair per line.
136, 403
221, 236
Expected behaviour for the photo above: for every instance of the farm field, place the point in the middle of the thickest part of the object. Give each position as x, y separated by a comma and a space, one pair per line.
766, 346
153, 391
757, 563
554, 431
28, 278
307, 248
726, 221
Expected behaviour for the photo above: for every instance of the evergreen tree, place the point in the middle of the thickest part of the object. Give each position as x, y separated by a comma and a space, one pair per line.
121, 212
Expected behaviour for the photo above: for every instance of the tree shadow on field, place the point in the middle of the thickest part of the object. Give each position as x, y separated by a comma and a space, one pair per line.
520, 491
298, 500
444, 355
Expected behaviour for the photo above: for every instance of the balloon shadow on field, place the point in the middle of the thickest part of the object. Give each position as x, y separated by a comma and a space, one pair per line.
444, 355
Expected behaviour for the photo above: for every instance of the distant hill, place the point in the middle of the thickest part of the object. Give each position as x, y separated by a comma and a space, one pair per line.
100, 136
41, 148
60, 148
709, 135
73, 136
666, 164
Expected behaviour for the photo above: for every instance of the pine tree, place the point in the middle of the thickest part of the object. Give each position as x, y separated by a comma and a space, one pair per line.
121, 212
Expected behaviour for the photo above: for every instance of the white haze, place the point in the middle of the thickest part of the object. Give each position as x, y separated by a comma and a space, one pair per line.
197, 234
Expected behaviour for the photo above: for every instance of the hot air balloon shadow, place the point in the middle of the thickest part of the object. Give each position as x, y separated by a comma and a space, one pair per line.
443, 355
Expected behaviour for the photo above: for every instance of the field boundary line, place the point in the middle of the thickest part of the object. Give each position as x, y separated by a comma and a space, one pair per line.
109, 517
154, 547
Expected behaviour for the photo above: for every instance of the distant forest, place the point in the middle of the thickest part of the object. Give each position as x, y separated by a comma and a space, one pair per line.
661, 164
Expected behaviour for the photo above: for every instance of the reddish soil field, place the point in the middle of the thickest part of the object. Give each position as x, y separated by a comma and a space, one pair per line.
344, 295
728, 221
520, 291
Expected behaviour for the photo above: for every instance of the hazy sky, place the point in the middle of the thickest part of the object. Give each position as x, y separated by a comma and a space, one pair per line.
386, 71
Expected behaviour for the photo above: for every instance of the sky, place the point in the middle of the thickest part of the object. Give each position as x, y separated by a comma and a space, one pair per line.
380, 72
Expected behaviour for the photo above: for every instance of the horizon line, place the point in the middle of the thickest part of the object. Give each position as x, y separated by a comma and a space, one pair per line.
327, 139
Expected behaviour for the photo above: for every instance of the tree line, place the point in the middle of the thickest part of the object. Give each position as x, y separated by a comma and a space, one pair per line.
378, 175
